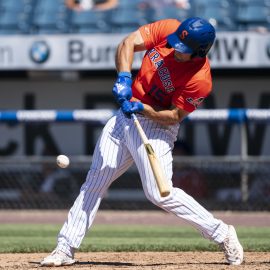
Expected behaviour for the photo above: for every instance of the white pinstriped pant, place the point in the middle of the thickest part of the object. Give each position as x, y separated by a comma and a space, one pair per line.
117, 148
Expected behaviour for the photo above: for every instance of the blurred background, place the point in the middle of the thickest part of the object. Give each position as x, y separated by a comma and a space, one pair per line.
59, 55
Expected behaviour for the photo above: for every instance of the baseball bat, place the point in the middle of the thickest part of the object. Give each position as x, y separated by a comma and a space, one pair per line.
159, 175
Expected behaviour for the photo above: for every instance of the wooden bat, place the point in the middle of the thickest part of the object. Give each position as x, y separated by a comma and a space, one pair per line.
161, 180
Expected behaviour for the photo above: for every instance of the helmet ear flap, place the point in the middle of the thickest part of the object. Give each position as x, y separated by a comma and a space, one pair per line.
202, 51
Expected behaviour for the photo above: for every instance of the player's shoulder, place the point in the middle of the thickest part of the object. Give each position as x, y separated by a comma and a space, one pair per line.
166, 26
169, 20
156, 32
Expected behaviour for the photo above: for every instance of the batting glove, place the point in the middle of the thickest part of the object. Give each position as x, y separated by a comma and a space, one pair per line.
129, 107
122, 87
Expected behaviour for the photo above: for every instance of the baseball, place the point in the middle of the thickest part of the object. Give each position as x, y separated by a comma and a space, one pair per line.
62, 161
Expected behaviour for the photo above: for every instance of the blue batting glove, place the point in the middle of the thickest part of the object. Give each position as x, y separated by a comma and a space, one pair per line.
136, 106
122, 87
126, 107
129, 107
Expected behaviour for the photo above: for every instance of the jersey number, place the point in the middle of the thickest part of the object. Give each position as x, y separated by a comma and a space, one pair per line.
157, 93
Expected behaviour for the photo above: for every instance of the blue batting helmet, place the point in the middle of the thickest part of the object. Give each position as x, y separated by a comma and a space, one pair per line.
194, 35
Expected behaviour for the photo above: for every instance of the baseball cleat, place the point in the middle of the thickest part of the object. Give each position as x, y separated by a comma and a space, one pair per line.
232, 248
57, 258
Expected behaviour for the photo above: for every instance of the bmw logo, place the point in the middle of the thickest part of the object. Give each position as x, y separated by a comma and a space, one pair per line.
39, 52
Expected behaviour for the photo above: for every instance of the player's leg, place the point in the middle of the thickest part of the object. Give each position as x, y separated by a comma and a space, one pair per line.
111, 159
178, 202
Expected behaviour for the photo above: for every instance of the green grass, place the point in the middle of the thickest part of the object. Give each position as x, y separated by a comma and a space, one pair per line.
42, 238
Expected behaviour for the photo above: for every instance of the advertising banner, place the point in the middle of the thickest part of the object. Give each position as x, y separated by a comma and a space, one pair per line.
97, 51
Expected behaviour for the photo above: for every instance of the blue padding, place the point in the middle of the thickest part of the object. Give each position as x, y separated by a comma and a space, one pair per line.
101, 116
237, 115
64, 116
8, 116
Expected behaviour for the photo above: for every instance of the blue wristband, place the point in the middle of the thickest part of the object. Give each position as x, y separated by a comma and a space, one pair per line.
125, 74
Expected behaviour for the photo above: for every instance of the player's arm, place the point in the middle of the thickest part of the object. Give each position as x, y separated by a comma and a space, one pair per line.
125, 51
171, 116
123, 61
145, 38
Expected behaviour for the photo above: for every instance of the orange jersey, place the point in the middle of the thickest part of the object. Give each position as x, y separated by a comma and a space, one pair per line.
163, 81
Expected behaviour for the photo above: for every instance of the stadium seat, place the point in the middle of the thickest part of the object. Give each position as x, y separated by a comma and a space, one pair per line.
253, 14
90, 21
49, 22
221, 18
170, 12
50, 16
126, 20
15, 16
220, 13
16, 22
50, 4
252, 2
128, 4
16, 5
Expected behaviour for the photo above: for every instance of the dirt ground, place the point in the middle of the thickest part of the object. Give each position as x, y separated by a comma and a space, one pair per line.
138, 260
141, 261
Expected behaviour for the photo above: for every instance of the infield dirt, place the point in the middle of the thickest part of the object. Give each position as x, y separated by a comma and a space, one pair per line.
142, 261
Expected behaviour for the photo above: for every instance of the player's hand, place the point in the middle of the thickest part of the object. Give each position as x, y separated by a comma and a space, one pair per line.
129, 107
122, 87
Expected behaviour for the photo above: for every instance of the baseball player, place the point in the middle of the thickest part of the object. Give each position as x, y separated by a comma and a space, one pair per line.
173, 80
